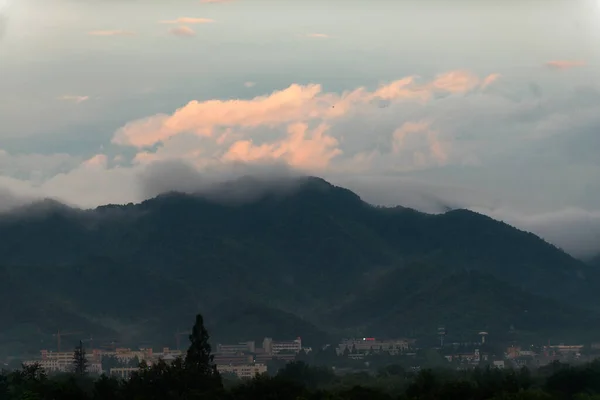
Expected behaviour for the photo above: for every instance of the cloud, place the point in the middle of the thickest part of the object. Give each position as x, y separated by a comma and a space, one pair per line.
215, 1
111, 33
187, 20
182, 31
36, 167
249, 84
564, 64
302, 149
318, 35
74, 98
297, 103
214, 181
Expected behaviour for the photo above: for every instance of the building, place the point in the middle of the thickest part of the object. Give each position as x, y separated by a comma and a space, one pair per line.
271, 346
567, 349
247, 371
233, 359
372, 345
52, 361
245, 347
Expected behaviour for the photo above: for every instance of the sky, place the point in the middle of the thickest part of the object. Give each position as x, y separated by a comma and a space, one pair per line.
490, 105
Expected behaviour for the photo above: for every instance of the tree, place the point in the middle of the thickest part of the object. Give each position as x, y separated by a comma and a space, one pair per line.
198, 357
198, 364
79, 360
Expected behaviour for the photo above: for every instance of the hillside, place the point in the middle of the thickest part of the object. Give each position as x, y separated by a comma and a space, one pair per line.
139, 270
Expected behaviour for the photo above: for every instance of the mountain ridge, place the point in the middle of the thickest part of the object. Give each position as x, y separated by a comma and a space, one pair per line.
298, 254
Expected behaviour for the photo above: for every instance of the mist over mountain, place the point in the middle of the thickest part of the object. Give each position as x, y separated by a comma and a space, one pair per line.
301, 255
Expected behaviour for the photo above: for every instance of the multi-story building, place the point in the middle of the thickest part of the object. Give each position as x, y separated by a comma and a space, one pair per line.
53, 362
247, 371
271, 346
245, 347
372, 345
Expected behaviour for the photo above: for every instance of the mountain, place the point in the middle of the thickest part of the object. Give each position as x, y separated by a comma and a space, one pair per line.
302, 253
595, 262
462, 300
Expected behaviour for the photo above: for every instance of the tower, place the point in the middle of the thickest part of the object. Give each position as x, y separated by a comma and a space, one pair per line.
442, 334
483, 335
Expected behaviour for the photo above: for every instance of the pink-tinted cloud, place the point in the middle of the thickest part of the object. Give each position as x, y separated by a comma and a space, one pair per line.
215, 1
318, 35
489, 80
111, 33
301, 148
182, 31
455, 82
564, 64
249, 84
295, 104
187, 20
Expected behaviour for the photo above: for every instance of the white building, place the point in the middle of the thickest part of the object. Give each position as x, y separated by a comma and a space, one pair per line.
247, 371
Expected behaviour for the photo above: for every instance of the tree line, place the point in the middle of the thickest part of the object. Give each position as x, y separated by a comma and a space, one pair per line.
195, 376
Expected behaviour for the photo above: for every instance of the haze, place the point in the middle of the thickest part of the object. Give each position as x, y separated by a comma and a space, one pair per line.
488, 105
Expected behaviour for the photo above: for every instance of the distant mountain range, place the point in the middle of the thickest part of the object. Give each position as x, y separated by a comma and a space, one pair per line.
300, 258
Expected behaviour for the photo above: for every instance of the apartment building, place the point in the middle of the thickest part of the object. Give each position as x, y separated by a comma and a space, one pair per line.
247, 371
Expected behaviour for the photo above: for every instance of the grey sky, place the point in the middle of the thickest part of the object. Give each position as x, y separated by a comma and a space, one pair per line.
504, 116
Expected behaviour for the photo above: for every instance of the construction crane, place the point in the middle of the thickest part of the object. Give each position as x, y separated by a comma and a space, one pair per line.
178, 335
58, 335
